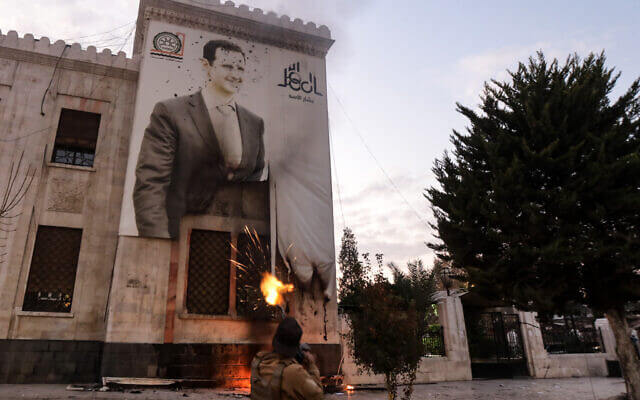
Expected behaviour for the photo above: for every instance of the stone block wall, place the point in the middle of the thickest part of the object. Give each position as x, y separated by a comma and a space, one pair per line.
37, 80
127, 312
454, 366
49, 361
205, 364
544, 365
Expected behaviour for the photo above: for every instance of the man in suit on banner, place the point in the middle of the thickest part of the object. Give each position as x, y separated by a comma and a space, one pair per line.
195, 143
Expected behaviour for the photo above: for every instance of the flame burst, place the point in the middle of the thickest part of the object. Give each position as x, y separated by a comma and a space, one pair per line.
272, 289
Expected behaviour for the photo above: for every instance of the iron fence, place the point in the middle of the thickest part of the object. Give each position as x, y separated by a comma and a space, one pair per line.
571, 334
434, 341
494, 336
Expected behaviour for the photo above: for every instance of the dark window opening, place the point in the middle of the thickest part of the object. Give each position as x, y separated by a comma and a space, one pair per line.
76, 138
53, 270
208, 274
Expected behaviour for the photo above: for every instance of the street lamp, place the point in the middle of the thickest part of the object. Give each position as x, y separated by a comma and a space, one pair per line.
445, 277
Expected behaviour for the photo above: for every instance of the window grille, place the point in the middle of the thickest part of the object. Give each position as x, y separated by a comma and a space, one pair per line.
53, 270
208, 275
76, 138
253, 259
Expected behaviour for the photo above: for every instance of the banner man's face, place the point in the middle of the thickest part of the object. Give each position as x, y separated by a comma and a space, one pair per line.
227, 71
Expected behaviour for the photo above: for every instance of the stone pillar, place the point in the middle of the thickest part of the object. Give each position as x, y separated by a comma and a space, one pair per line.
455, 332
533, 345
608, 340
138, 299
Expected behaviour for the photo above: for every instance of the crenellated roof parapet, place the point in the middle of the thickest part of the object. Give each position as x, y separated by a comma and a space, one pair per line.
239, 21
258, 15
68, 56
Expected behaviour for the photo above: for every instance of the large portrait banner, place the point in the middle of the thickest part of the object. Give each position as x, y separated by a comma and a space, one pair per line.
212, 110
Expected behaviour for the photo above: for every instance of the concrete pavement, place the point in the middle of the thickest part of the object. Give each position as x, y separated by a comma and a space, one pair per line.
511, 389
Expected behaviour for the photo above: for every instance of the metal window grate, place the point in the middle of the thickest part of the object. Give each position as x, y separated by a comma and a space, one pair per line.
208, 275
253, 259
53, 270
73, 155
76, 138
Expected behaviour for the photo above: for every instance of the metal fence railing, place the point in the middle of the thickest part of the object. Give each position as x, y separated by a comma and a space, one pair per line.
571, 334
434, 341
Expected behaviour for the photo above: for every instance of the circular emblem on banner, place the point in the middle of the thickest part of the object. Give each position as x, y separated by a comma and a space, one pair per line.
167, 41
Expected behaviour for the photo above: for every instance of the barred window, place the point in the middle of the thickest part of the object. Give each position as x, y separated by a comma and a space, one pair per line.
253, 259
76, 138
53, 270
208, 275
224, 274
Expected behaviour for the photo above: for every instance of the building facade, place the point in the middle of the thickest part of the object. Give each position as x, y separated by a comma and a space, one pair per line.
80, 299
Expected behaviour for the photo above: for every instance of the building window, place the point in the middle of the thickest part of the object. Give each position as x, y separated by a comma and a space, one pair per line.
76, 138
224, 274
253, 259
53, 270
209, 269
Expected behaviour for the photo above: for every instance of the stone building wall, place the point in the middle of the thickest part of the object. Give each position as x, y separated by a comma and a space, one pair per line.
128, 314
455, 365
541, 364
37, 80
149, 320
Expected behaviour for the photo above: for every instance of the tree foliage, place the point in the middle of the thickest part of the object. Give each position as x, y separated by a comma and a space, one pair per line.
388, 318
540, 199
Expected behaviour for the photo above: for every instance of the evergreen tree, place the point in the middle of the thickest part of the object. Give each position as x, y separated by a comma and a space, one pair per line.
354, 272
540, 200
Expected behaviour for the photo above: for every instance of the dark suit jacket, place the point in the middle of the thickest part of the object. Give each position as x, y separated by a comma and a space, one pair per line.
180, 164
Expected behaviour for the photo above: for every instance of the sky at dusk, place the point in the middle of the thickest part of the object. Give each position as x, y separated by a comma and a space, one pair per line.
395, 73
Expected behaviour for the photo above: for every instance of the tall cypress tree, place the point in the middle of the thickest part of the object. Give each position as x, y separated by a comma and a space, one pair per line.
540, 199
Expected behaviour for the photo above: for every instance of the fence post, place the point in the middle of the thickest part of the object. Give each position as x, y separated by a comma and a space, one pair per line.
534, 351
451, 318
608, 340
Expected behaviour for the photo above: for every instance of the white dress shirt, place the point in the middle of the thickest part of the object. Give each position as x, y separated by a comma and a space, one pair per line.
227, 129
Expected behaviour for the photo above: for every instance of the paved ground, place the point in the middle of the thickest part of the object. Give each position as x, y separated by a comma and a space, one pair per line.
520, 389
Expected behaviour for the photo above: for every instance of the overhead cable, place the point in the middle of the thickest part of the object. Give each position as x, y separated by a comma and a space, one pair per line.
101, 33
335, 168
366, 146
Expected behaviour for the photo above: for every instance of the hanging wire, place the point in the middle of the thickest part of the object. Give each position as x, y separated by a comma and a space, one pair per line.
122, 44
335, 168
100, 33
55, 68
366, 146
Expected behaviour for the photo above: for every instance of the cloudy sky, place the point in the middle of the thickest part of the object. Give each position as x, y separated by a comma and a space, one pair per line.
395, 73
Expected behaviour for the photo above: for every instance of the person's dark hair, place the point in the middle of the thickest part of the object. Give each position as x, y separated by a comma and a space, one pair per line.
209, 49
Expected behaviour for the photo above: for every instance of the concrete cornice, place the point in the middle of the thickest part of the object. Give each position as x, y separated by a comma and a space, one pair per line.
235, 21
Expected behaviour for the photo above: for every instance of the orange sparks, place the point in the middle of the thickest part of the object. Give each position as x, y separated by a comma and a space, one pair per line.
349, 387
272, 289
